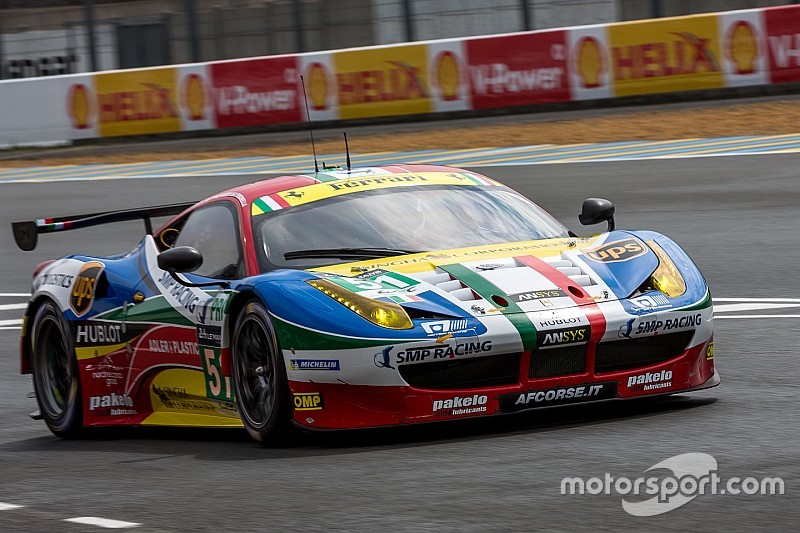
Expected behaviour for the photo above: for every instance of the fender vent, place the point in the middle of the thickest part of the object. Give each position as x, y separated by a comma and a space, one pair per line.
444, 281
574, 272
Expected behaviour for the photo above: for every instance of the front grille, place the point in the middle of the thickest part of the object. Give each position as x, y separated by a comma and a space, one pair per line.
637, 353
477, 372
558, 362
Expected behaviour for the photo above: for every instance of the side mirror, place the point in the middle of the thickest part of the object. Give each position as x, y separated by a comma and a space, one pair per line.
180, 259
596, 210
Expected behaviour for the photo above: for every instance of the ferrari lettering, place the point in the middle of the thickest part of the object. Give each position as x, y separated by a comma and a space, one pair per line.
110, 400
617, 251
432, 353
184, 295
352, 184
98, 334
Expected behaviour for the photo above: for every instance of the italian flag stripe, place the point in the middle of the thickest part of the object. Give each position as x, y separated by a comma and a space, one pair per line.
265, 204
487, 289
280, 202
475, 179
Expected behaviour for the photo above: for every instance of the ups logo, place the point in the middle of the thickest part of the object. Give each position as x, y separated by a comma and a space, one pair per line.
617, 251
82, 295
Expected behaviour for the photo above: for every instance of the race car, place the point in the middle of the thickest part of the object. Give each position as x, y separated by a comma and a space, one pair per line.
379, 296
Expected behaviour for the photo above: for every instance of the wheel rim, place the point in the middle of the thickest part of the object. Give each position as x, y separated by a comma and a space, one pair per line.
54, 370
256, 376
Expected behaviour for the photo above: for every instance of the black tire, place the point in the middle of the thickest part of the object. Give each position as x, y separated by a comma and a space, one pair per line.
55, 372
259, 377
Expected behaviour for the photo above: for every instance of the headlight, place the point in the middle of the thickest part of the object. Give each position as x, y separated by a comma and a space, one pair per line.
384, 314
666, 278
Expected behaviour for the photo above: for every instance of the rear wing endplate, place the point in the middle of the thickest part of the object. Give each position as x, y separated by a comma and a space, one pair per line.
26, 234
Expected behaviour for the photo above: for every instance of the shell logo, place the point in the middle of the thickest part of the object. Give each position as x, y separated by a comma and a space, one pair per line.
317, 86
448, 75
742, 47
194, 96
79, 108
589, 62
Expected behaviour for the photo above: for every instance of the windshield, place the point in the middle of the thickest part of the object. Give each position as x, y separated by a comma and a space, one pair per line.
406, 219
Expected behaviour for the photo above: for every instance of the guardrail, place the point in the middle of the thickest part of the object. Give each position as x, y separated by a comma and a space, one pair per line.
700, 52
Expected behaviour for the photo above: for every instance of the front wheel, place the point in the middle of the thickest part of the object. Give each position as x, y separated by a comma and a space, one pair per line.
55, 372
259, 376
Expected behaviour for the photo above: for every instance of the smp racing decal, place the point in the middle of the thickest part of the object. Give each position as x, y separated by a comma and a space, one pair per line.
510, 403
84, 287
616, 251
434, 352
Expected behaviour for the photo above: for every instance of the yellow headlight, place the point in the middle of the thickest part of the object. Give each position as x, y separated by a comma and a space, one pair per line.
384, 314
666, 278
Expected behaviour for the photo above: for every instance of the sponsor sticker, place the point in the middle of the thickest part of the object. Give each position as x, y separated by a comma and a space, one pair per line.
116, 404
83, 289
617, 251
438, 328
537, 295
436, 352
668, 324
461, 405
510, 403
654, 301
710, 351
308, 401
563, 336
314, 364
650, 381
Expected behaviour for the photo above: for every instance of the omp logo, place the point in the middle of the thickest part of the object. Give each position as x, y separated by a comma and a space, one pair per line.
590, 62
79, 106
564, 336
710, 351
448, 75
308, 401
111, 400
617, 251
84, 287
742, 47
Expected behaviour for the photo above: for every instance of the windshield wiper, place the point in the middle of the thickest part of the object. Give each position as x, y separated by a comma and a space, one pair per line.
346, 253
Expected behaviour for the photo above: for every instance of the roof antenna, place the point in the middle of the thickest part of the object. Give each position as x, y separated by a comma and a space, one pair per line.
310, 130
347, 149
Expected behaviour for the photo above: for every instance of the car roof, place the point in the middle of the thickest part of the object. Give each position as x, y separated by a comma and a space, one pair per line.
252, 191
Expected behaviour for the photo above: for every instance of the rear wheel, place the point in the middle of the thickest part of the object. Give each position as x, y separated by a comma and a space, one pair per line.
55, 372
259, 376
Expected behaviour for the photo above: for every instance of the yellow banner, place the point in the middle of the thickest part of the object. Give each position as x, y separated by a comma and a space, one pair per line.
137, 102
382, 81
664, 55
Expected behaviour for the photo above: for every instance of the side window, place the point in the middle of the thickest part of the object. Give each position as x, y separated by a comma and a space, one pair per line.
213, 231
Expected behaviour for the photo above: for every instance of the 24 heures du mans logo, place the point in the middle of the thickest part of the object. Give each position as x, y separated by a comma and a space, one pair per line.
617, 251
84, 287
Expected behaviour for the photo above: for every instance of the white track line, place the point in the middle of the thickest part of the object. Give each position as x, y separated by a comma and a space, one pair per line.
15, 294
778, 300
9, 506
9, 328
15, 322
756, 316
9, 307
730, 308
101, 522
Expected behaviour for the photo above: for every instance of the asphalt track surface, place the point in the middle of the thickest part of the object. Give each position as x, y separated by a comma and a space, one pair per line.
738, 218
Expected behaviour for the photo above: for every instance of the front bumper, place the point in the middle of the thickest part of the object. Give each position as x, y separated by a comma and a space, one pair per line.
343, 406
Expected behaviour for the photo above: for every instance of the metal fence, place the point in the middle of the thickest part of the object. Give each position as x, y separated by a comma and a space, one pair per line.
49, 37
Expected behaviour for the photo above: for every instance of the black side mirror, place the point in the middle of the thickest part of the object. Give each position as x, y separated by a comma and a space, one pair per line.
596, 210
180, 259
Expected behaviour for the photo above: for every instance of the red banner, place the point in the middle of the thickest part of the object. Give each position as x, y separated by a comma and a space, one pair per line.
255, 92
783, 42
518, 70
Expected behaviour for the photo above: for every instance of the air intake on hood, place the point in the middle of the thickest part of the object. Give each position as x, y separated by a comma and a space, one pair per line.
569, 269
444, 281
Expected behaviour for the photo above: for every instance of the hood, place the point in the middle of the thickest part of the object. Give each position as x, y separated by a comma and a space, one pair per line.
523, 276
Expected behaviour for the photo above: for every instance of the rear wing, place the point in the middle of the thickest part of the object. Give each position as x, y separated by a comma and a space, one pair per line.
26, 234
